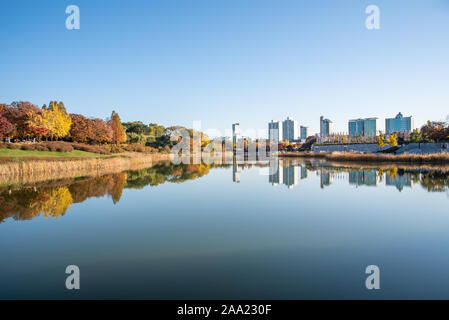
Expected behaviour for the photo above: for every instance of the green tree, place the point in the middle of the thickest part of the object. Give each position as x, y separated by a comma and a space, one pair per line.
136, 138
137, 127
415, 136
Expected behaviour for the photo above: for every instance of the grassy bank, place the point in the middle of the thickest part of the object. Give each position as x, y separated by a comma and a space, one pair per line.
436, 158
16, 155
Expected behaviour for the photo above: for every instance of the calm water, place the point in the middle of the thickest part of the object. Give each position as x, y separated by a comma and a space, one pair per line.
199, 232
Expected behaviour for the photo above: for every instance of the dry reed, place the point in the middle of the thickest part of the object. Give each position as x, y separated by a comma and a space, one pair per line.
14, 172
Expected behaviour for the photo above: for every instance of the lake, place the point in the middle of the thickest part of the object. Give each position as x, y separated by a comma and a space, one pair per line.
308, 230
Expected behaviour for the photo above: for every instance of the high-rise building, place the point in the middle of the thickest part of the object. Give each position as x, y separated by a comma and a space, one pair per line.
275, 131
399, 124
355, 127
326, 128
371, 127
303, 132
290, 129
235, 132
363, 127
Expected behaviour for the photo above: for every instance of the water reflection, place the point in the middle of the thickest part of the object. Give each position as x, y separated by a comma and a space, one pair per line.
55, 198
290, 172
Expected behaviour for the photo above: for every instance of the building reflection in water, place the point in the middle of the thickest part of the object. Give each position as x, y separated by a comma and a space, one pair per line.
365, 177
326, 178
399, 181
289, 172
276, 175
304, 172
283, 172
236, 170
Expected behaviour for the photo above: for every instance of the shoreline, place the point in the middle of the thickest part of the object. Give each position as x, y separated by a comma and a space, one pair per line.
434, 158
29, 171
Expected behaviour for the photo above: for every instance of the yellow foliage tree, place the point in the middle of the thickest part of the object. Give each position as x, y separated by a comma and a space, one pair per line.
36, 124
380, 140
393, 139
56, 119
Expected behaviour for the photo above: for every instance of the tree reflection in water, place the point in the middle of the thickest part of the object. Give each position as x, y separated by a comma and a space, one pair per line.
54, 198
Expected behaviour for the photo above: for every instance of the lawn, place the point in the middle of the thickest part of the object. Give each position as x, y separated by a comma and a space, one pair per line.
10, 154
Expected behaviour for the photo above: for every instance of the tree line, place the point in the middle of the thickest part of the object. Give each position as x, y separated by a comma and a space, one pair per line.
24, 121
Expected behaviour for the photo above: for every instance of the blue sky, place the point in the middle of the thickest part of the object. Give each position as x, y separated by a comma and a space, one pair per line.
224, 61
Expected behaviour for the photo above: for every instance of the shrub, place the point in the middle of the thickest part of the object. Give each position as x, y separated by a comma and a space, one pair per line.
135, 147
13, 146
41, 147
114, 148
27, 147
90, 148
58, 146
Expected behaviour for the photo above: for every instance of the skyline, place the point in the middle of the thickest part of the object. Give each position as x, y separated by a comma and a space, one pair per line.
223, 62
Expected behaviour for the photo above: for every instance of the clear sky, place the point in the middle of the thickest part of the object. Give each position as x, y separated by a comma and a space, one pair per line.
224, 61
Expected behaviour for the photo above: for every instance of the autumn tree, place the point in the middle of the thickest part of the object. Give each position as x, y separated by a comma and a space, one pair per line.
392, 139
5, 127
56, 119
435, 131
18, 114
118, 132
79, 131
380, 140
89, 130
37, 125
101, 131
